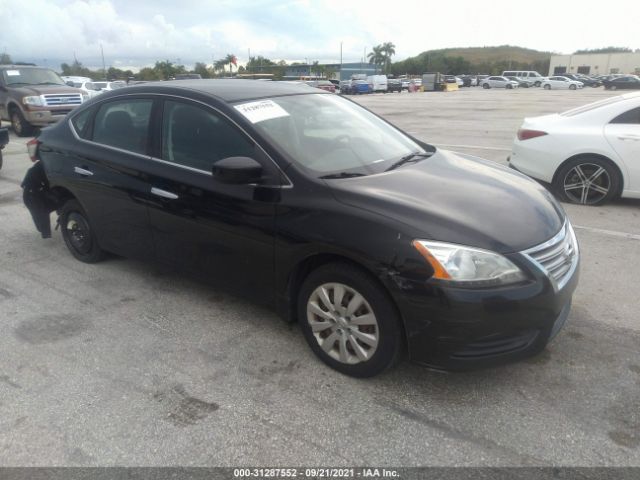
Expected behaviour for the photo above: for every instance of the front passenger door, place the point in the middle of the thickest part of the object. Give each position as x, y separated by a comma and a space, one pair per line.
220, 231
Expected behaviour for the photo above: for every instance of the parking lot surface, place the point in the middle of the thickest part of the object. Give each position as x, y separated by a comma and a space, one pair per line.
125, 363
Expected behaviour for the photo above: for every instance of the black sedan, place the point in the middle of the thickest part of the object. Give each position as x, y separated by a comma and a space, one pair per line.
375, 242
394, 85
630, 82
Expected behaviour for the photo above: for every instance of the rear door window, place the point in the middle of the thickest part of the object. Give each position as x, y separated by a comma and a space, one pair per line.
631, 117
124, 124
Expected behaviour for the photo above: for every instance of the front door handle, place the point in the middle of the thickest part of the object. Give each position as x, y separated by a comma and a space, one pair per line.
164, 193
83, 171
629, 137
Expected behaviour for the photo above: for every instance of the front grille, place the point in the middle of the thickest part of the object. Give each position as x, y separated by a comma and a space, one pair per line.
54, 100
557, 257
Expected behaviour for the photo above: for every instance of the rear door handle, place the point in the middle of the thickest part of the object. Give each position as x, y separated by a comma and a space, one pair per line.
83, 171
164, 193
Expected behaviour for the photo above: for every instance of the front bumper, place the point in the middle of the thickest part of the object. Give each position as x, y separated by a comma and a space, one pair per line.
458, 329
43, 117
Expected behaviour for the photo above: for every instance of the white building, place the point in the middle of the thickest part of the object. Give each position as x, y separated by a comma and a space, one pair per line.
595, 63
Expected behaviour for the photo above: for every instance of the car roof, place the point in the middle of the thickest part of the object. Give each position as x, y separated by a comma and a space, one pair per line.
11, 67
228, 90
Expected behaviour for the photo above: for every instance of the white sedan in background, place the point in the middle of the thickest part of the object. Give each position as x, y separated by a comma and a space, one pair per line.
108, 86
589, 155
561, 83
498, 82
88, 87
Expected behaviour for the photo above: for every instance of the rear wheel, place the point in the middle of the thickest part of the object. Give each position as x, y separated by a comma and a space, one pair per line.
587, 181
613, 87
537, 84
77, 233
349, 321
21, 127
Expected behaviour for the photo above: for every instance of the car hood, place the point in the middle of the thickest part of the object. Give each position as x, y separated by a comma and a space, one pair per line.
44, 89
460, 199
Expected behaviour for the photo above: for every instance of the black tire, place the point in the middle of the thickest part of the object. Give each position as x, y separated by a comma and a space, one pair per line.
537, 84
567, 176
78, 234
572, 87
390, 337
547, 87
21, 127
485, 85
1, 161
509, 87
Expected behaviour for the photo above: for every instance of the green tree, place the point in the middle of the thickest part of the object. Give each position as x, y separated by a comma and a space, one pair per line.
148, 73
389, 50
201, 69
231, 60
376, 56
219, 65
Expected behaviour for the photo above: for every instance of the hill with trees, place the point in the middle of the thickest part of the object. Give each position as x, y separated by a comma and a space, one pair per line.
477, 60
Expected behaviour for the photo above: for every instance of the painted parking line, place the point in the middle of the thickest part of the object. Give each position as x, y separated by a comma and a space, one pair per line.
613, 233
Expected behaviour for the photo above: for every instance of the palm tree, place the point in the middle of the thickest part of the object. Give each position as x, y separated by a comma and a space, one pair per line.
389, 50
376, 56
219, 65
231, 60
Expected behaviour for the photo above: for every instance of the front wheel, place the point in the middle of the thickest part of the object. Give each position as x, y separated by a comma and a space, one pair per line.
572, 87
587, 181
547, 87
20, 126
77, 233
486, 85
349, 321
537, 84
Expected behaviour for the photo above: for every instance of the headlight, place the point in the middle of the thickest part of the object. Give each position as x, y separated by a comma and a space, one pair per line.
467, 266
35, 101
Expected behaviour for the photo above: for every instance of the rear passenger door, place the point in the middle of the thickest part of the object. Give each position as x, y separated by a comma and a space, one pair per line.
220, 231
623, 133
106, 173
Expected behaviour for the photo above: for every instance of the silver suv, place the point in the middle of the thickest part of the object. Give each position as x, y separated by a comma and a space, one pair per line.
35, 97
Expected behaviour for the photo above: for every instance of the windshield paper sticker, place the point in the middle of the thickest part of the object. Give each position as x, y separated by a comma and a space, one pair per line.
13, 73
263, 110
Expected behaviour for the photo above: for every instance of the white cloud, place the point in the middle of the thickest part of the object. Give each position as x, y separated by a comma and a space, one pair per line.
142, 31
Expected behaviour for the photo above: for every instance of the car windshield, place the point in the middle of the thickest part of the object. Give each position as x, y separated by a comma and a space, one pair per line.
328, 135
31, 76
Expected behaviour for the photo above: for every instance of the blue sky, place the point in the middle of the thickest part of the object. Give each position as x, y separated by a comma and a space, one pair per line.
135, 33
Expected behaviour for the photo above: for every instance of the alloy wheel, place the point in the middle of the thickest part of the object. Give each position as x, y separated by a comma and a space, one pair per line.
587, 183
343, 323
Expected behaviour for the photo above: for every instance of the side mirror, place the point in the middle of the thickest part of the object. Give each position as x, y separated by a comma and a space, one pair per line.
237, 170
